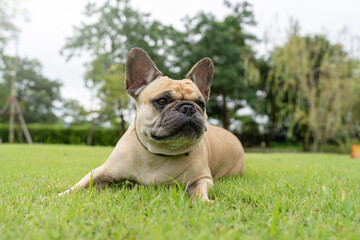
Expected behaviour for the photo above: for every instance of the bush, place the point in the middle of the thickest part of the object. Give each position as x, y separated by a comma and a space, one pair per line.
57, 134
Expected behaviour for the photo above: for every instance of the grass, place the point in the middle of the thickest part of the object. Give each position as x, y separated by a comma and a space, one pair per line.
293, 147
281, 196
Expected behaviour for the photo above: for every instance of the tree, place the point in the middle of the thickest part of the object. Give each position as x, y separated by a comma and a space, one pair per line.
8, 11
36, 94
72, 112
112, 30
7, 32
313, 81
227, 44
111, 91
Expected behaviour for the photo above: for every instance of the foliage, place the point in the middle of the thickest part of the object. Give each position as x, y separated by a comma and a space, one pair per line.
111, 89
8, 11
116, 29
227, 43
313, 83
309, 87
58, 134
281, 196
72, 112
35, 92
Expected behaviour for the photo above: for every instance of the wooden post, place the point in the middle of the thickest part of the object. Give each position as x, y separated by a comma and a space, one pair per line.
11, 121
22, 122
2, 111
12, 101
19, 132
13, 95
14, 105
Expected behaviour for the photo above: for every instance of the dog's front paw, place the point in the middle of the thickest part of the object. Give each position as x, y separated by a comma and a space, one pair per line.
63, 193
198, 200
209, 201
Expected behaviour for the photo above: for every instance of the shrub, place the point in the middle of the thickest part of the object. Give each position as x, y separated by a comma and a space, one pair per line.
57, 134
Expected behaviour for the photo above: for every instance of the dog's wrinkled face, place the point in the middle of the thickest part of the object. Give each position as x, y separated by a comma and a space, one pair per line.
171, 114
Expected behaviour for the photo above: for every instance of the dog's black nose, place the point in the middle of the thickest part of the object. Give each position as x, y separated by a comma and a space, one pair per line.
187, 109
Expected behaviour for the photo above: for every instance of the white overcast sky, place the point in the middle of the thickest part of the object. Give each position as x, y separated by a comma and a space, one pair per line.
51, 22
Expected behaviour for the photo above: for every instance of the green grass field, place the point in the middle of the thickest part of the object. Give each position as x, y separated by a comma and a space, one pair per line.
281, 196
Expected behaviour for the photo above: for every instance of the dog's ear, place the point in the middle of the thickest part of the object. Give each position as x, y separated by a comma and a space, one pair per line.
139, 70
202, 74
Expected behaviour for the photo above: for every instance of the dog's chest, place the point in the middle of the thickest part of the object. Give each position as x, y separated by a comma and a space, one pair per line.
163, 169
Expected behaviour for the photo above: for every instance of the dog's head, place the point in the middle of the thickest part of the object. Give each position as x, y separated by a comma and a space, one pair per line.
171, 115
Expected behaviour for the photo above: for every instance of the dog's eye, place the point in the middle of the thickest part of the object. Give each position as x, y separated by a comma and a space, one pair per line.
201, 105
162, 101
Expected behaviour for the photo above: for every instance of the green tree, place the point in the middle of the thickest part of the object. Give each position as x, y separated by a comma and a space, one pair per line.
313, 83
111, 89
72, 112
112, 30
226, 42
36, 93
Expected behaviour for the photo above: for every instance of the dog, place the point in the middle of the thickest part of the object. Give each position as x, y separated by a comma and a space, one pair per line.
169, 138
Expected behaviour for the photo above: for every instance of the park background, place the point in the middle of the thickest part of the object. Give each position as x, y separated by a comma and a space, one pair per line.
287, 76
276, 83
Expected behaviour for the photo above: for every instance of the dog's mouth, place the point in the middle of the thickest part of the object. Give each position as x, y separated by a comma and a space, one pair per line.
182, 124
190, 130
157, 138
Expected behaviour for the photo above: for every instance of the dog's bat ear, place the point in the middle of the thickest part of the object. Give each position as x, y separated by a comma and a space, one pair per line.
202, 74
139, 70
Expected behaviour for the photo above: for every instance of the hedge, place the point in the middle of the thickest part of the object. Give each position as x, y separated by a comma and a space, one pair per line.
57, 134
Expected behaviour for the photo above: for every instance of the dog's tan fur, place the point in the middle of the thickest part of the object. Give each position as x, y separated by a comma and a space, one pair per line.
143, 160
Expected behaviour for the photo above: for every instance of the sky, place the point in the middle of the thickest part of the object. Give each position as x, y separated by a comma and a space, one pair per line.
51, 22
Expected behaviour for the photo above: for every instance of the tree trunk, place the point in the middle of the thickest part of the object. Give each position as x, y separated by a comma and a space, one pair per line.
13, 97
19, 133
225, 120
22, 122
11, 122
271, 110
122, 125
306, 142
316, 144
91, 133
271, 131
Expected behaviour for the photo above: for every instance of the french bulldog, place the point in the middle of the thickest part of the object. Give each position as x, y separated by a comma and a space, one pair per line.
169, 138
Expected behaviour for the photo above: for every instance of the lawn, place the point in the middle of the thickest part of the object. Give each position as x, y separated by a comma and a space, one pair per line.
281, 196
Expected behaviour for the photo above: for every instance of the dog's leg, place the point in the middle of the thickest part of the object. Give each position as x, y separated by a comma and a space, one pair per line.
100, 178
117, 168
199, 189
